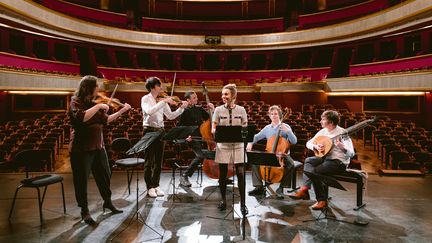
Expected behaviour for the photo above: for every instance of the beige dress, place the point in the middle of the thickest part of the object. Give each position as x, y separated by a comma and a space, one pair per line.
228, 153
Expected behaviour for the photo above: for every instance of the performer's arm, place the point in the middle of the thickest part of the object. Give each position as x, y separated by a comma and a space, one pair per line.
215, 120
310, 145
289, 134
82, 115
171, 115
114, 116
150, 109
257, 137
346, 146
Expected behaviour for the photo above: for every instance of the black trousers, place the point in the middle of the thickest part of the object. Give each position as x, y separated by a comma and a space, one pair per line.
199, 158
82, 163
321, 166
153, 162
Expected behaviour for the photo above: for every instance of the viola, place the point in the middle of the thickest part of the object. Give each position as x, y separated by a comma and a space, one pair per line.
112, 102
164, 95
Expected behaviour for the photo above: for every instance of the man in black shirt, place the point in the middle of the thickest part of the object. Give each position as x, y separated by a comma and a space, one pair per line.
193, 116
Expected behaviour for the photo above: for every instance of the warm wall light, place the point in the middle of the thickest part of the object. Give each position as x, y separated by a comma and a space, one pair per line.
390, 93
22, 92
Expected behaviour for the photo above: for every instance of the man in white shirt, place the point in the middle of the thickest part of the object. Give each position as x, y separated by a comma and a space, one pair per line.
335, 161
154, 109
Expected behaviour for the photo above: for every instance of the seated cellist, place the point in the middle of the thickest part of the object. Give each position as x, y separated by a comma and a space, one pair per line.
275, 114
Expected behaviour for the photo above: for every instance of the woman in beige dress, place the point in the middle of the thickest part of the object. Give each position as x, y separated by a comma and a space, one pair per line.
229, 114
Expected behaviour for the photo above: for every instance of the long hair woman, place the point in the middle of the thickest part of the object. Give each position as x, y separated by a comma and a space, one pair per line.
87, 148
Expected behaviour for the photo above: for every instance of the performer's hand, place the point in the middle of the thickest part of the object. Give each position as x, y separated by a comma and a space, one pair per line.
285, 128
184, 104
103, 107
339, 144
189, 139
319, 147
249, 147
211, 106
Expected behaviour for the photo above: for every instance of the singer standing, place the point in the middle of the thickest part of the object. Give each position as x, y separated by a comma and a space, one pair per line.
229, 114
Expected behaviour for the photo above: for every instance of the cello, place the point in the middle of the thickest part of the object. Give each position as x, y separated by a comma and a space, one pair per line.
210, 167
277, 145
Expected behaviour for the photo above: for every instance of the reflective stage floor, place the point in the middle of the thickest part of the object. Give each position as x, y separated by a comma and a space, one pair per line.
398, 209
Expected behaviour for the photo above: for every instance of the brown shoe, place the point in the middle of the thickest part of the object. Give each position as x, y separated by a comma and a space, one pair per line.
320, 205
303, 193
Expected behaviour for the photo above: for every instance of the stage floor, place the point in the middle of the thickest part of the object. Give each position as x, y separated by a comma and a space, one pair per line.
398, 209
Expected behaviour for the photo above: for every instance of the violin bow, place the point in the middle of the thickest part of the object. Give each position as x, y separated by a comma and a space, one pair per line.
112, 95
173, 84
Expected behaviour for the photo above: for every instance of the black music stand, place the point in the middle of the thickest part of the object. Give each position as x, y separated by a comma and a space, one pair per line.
177, 135
237, 134
141, 146
264, 159
330, 182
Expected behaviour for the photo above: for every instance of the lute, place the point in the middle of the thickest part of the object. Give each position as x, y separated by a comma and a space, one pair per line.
328, 142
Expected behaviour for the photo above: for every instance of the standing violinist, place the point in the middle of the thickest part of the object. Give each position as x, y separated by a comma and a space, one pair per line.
193, 116
268, 132
87, 148
154, 110
229, 114
334, 162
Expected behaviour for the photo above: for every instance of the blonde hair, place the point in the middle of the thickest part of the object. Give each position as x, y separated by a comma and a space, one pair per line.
233, 89
276, 107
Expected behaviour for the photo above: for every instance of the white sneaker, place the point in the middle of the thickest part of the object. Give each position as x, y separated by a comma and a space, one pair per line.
152, 192
159, 192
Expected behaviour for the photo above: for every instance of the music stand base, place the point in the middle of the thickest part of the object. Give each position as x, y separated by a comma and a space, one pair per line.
239, 238
231, 211
137, 215
324, 212
139, 218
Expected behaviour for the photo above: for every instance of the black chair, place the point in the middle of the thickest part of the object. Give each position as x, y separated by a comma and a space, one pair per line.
119, 146
36, 160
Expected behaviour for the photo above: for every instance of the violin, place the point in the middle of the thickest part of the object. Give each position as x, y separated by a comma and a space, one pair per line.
113, 102
164, 95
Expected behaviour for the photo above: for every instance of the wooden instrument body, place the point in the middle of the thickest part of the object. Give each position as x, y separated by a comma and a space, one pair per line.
279, 145
328, 142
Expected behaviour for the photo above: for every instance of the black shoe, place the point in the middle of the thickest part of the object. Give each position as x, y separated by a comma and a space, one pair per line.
184, 181
245, 210
110, 206
86, 217
222, 206
257, 191
279, 193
